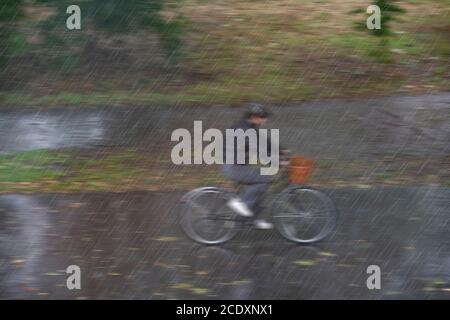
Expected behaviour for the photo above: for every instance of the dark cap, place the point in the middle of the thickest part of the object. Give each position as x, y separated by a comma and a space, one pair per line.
256, 109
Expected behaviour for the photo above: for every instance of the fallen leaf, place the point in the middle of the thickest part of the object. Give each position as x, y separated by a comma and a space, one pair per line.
166, 239
200, 290
181, 286
52, 274
75, 205
305, 263
327, 254
18, 261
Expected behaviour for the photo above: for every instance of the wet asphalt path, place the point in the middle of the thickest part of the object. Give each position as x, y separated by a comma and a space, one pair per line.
338, 129
130, 246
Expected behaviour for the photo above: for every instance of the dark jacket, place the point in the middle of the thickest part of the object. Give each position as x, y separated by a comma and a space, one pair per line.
244, 125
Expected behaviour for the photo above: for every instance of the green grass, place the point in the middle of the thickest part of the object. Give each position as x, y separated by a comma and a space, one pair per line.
33, 166
403, 44
125, 169
269, 89
66, 170
92, 99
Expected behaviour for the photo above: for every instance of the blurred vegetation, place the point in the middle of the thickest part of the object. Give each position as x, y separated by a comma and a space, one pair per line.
206, 52
389, 12
114, 17
10, 12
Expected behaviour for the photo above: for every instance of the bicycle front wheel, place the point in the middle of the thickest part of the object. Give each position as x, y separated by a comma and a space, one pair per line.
304, 215
206, 218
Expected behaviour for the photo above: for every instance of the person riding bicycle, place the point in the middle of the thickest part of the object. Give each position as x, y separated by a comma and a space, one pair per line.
248, 204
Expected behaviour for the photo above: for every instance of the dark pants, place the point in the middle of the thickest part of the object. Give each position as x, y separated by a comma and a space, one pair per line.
257, 184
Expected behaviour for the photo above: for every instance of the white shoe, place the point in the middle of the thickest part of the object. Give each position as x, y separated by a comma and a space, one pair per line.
262, 224
239, 207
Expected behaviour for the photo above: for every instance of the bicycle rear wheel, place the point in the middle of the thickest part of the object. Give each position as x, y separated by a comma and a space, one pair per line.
206, 218
304, 215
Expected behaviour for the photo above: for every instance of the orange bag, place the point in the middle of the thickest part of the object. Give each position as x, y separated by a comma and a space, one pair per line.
300, 169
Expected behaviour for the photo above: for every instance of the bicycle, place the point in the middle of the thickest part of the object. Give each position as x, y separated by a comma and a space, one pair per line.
206, 218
